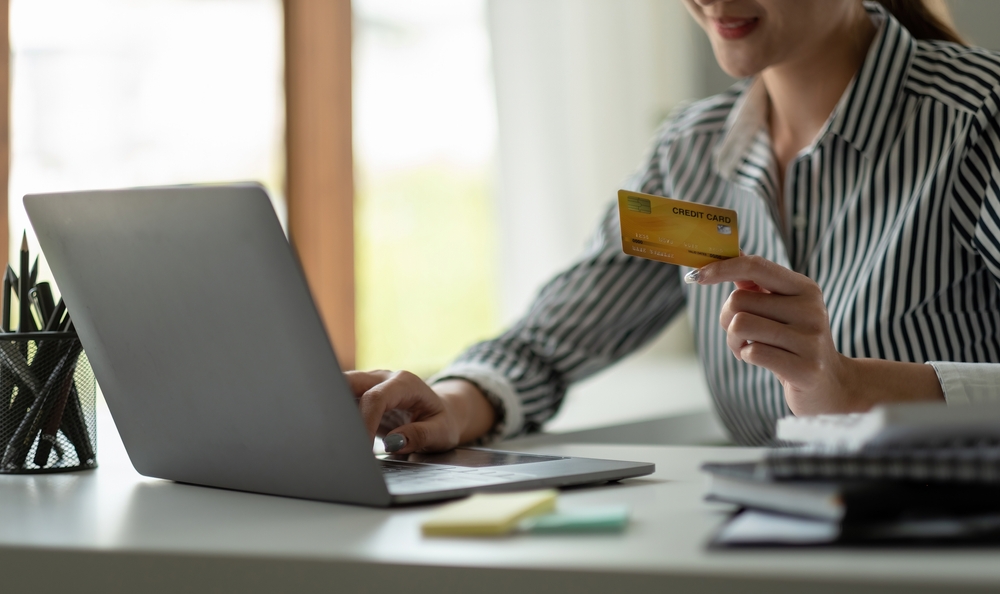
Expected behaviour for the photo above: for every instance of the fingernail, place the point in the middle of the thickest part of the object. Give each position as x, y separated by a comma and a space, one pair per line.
394, 442
692, 277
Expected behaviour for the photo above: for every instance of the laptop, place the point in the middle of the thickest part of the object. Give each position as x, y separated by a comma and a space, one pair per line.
202, 333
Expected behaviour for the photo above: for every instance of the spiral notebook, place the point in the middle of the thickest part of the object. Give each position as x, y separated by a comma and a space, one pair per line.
956, 462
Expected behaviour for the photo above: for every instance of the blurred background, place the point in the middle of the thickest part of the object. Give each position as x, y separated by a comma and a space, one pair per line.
489, 138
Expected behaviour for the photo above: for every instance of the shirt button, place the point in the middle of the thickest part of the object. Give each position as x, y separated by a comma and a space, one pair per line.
800, 221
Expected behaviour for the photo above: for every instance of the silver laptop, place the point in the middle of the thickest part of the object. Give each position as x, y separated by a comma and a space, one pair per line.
201, 330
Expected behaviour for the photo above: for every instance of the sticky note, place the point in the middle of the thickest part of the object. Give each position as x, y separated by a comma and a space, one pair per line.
488, 514
675, 231
611, 518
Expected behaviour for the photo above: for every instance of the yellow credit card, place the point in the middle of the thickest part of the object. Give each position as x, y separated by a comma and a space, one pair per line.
675, 231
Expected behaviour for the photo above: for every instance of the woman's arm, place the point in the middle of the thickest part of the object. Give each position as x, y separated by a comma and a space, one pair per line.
603, 307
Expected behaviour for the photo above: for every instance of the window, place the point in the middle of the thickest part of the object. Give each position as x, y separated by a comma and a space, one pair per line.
425, 137
112, 93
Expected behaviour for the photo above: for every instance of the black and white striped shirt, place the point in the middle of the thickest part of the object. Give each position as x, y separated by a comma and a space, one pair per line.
894, 210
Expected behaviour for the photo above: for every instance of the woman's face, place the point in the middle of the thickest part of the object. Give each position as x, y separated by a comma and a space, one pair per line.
751, 35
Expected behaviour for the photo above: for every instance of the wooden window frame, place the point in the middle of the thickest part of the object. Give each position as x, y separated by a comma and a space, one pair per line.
319, 153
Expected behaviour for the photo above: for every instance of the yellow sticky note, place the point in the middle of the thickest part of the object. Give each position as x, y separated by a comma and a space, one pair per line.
675, 231
488, 514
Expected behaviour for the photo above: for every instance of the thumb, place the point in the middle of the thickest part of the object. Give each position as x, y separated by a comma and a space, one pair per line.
422, 436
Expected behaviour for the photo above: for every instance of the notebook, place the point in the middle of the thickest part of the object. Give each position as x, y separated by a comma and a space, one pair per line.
899, 424
747, 484
204, 338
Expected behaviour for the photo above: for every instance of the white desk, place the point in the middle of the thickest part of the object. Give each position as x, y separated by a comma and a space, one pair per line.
111, 530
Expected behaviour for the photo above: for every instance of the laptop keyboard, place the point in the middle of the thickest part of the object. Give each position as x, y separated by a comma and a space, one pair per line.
412, 477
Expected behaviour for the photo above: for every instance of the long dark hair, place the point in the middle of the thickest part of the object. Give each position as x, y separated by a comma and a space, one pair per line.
921, 21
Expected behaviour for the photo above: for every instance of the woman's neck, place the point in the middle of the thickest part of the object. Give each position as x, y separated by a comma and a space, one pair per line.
804, 91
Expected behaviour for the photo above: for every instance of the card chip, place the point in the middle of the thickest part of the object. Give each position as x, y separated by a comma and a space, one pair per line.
724, 229
640, 205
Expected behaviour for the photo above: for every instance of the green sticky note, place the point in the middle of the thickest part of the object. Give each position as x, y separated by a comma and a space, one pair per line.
585, 519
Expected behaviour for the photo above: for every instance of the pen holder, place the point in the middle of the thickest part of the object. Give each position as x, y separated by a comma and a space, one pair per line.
48, 418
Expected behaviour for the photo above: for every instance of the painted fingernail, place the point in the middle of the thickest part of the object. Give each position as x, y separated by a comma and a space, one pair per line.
394, 442
692, 277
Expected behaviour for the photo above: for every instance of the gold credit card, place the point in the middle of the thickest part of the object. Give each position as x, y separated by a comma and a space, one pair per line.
675, 231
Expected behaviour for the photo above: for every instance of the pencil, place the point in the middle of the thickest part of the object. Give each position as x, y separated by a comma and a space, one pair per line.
33, 277
5, 322
55, 319
24, 322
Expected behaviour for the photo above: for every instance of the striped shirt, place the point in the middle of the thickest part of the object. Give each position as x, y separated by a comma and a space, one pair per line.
894, 210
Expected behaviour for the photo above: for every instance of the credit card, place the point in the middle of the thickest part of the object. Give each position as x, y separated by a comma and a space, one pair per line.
675, 231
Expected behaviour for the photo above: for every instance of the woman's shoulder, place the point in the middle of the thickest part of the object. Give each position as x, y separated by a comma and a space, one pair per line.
960, 75
704, 116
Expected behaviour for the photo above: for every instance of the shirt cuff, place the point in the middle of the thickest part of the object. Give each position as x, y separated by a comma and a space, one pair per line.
498, 391
968, 383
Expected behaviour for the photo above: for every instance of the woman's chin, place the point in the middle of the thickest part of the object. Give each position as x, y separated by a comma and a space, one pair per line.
738, 68
740, 71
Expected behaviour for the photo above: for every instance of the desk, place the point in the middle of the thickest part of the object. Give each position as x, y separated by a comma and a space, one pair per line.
111, 530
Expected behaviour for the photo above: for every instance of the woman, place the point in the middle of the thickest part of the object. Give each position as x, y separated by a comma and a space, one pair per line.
861, 152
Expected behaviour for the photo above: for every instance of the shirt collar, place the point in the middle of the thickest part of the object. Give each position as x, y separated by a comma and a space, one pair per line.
860, 116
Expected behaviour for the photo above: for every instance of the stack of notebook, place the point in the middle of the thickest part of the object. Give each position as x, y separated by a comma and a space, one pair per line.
900, 473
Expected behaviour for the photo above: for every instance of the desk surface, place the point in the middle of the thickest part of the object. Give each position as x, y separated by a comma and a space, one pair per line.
113, 530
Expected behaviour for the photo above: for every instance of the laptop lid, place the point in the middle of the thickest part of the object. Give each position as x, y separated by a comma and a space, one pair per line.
205, 340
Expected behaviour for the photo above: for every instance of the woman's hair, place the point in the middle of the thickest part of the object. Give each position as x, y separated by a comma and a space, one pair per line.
922, 20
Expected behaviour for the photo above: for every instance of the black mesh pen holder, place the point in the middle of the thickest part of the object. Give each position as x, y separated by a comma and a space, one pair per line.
48, 397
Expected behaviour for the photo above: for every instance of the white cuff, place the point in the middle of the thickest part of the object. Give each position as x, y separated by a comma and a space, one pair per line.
497, 389
968, 383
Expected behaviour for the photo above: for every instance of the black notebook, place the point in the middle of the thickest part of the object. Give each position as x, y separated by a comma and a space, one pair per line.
755, 528
848, 500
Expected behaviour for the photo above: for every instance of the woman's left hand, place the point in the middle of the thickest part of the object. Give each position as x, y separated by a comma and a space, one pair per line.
777, 319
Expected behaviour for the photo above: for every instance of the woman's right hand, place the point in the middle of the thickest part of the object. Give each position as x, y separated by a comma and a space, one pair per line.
441, 417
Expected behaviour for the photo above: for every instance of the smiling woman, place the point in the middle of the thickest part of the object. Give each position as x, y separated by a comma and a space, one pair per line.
862, 162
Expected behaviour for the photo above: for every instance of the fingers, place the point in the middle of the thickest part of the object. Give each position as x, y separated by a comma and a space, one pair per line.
747, 328
750, 272
425, 436
362, 381
389, 401
397, 390
780, 308
785, 365
393, 418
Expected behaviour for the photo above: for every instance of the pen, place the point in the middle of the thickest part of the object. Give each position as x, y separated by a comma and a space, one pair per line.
12, 277
74, 427
24, 322
5, 323
41, 298
20, 444
55, 416
55, 319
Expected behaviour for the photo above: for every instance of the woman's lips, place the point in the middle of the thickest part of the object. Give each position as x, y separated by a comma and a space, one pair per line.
735, 28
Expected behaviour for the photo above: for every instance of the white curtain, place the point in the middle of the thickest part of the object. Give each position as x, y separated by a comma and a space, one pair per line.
581, 86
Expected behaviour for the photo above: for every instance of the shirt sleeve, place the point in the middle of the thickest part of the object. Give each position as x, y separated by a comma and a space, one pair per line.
605, 306
975, 212
968, 383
